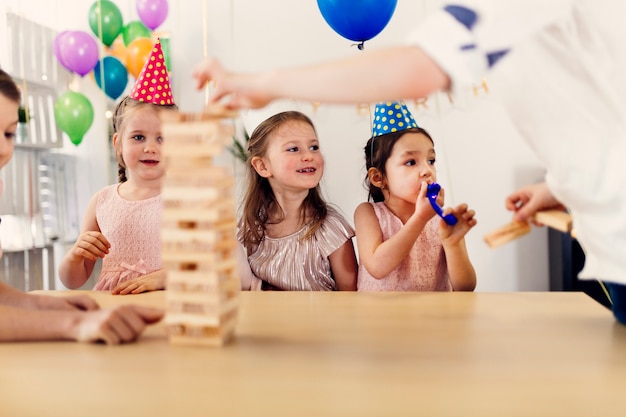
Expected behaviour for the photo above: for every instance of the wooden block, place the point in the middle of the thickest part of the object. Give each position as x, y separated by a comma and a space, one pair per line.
215, 214
506, 233
222, 315
200, 150
225, 226
212, 112
193, 133
556, 219
197, 167
205, 282
201, 307
217, 110
190, 257
193, 235
175, 185
202, 329
213, 262
189, 193
202, 335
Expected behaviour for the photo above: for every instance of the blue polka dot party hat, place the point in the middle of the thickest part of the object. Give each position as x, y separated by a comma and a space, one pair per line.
391, 116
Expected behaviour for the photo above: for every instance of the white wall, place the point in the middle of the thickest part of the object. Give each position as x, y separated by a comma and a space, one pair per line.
481, 158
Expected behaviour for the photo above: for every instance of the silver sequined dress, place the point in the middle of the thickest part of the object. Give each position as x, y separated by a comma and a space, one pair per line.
294, 264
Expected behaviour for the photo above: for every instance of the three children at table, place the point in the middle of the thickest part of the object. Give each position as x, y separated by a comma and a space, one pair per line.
292, 238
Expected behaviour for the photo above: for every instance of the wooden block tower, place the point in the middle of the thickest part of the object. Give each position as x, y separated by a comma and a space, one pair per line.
198, 230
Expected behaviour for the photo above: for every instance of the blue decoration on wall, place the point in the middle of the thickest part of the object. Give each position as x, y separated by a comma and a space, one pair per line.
465, 16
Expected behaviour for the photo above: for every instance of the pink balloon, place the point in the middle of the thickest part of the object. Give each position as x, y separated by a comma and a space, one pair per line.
59, 41
80, 51
152, 12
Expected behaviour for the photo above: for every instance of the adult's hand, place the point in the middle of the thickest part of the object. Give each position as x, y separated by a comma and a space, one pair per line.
122, 324
527, 201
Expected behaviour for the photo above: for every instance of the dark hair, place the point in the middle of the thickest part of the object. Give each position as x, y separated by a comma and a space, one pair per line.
377, 152
8, 88
122, 109
259, 200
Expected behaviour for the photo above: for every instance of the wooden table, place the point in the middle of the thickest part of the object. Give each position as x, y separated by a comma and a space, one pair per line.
342, 354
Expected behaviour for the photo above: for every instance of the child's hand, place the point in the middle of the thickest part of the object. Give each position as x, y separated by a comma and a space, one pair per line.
90, 245
423, 210
149, 282
451, 235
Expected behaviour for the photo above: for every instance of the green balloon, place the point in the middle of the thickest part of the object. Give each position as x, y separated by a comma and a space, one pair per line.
73, 113
134, 30
105, 20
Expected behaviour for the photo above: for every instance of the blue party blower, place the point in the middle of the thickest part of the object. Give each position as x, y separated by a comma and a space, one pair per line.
432, 192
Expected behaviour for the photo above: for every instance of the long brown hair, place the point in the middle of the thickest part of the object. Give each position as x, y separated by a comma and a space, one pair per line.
120, 119
259, 199
377, 151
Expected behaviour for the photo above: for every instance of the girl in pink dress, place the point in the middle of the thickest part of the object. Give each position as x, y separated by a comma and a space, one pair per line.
402, 245
122, 223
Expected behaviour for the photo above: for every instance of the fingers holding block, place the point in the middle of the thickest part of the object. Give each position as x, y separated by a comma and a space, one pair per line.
556, 219
506, 234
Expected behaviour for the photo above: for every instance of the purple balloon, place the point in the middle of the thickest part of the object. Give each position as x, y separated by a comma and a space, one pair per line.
59, 41
152, 12
80, 51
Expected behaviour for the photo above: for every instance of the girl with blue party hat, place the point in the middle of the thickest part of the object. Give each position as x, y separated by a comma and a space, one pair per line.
402, 245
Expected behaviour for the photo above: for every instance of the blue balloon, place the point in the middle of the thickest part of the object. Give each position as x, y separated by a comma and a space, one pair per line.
115, 76
357, 20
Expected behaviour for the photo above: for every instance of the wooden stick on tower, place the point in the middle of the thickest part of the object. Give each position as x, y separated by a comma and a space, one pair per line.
198, 230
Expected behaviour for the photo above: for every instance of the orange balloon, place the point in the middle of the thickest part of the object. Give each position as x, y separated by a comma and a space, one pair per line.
117, 49
137, 53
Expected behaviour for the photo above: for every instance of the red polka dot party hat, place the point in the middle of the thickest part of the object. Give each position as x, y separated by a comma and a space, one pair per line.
153, 83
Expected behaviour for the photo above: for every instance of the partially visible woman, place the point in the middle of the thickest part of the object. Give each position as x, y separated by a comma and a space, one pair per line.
29, 317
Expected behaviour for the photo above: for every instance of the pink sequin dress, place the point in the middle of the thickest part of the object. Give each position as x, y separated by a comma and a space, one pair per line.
134, 230
425, 268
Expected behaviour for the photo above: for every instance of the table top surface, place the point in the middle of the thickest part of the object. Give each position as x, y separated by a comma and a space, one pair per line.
343, 354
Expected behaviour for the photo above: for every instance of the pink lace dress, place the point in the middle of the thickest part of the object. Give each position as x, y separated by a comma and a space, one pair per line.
134, 230
425, 268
